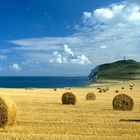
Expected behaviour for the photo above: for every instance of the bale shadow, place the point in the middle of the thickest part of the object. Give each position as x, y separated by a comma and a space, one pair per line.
129, 120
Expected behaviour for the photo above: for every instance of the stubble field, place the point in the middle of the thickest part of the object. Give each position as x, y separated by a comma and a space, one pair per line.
41, 115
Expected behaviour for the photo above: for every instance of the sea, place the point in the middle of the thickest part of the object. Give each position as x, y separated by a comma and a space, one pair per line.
42, 82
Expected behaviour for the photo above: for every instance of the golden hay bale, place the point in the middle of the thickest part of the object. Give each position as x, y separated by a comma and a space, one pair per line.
7, 111
104, 90
131, 86
28, 88
107, 88
68, 98
100, 91
123, 102
117, 91
55, 89
90, 96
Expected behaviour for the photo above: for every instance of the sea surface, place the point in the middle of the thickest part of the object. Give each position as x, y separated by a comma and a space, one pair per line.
42, 82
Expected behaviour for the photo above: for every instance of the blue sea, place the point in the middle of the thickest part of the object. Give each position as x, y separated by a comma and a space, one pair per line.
42, 82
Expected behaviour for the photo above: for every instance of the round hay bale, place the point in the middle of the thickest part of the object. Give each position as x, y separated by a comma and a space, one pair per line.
130, 85
68, 98
104, 90
107, 88
131, 88
90, 96
55, 89
122, 87
123, 102
7, 111
100, 91
117, 91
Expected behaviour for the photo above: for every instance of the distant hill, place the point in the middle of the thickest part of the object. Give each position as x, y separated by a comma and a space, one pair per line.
124, 69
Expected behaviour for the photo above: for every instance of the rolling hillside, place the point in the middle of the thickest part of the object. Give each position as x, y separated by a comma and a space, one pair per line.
123, 69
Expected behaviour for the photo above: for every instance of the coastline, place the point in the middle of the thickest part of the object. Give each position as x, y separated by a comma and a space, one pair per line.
113, 82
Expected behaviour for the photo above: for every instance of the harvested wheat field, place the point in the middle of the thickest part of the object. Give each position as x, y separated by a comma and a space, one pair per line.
42, 116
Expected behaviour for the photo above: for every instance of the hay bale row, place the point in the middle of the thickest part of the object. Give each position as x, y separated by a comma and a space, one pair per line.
8, 108
70, 98
103, 89
68, 88
120, 102
131, 86
28, 88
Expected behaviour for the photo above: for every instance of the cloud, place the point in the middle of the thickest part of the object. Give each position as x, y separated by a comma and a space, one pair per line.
86, 16
68, 50
115, 15
69, 57
83, 60
15, 67
58, 58
45, 43
103, 14
3, 57
116, 26
30, 62
103, 47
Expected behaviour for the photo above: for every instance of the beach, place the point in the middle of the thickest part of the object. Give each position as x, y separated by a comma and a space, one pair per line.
41, 114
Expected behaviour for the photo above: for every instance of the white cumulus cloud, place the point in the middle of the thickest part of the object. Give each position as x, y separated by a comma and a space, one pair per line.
68, 50
15, 67
103, 14
116, 13
103, 47
81, 59
116, 25
69, 57
58, 58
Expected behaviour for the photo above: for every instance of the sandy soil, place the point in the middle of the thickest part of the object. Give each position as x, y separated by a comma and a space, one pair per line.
41, 115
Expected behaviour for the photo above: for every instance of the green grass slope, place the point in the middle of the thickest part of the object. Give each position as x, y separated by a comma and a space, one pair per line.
124, 69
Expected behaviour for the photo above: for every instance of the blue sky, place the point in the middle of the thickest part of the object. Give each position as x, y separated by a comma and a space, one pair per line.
66, 37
